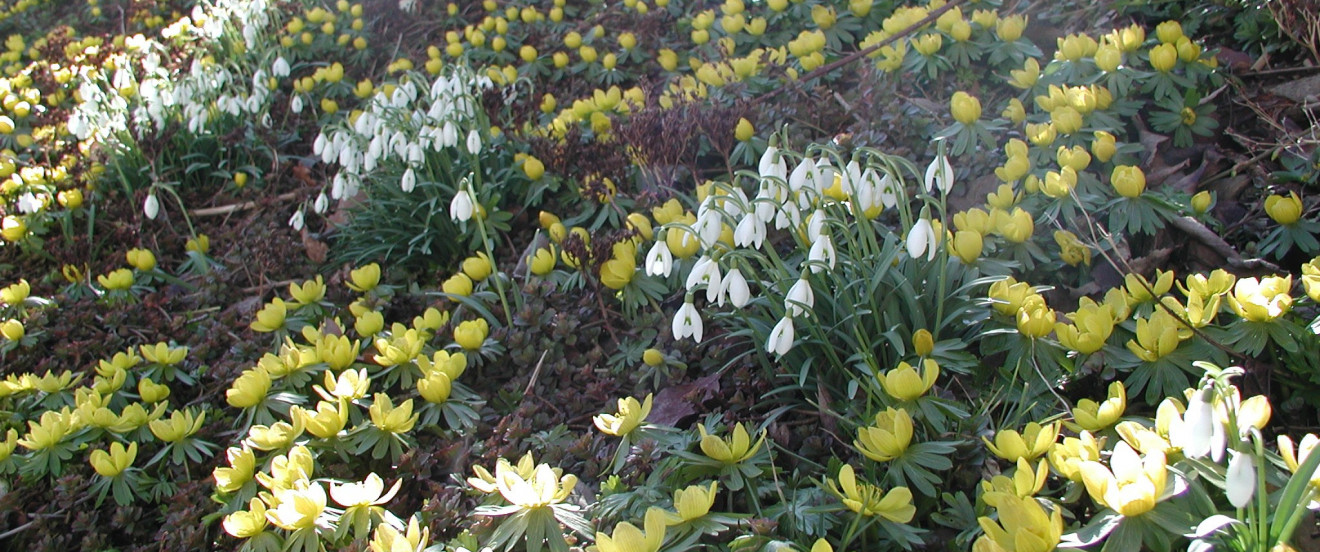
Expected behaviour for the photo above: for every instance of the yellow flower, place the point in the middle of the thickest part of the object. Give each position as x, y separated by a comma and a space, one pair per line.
48, 431
369, 323
617, 272
459, 284
1023, 526
628, 538
905, 384
744, 131
538, 490
1262, 300
15, 293
1075, 47
141, 259
477, 267
12, 330
1010, 28
471, 334
364, 279
181, 424
249, 388
163, 353
1017, 226
135, 416
735, 449
1311, 279
870, 500
1035, 319
7, 445
287, 470
1015, 111
1164, 57
533, 168
151, 391
965, 107
271, 317
653, 357
389, 539
1103, 146
276, 436
1169, 32
326, 421
1134, 484
245, 524
1092, 325
692, 503
349, 384
338, 352
1025, 77
1201, 202
388, 418
1093, 416
1108, 58
1139, 290
1071, 249
1295, 456
403, 347
1007, 295
113, 463
1156, 336
1068, 456
298, 507
1031, 443
1285, 210
888, 438
1066, 119
310, 291
242, 465
923, 343
630, 415
118, 279
13, 228
369, 492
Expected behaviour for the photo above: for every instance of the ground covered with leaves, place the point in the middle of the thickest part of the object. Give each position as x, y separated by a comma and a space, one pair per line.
659, 275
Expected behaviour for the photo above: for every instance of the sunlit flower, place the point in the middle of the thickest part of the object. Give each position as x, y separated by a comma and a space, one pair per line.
1034, 440
628, 538
1022, 526
245, 524
1134, 484
687, 323
692, 503
242, 466
1261, 300
905, 383
390, 419
631, 414
299, 507
870, 500
888, 438
114, 462
735, 449
1093, 416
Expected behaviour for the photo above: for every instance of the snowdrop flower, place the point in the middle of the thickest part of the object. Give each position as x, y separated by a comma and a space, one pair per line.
687, 322
449, 134
710, 223
772, 164
296, 221
799, 298
888, 191
659, 261
939, 175
462, 207
280, 68
801, 174
296, 104
921, 239
815, 225
321, 203
822, 176
151, 206
474, 142
28, 203
750, 232
781, 337
409, 180
734, 286
822, 253
1240, 480
706, 271
1205, 435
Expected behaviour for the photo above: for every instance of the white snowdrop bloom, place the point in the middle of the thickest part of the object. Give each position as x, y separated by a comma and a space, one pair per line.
821, 256
921, 240
734, 287
750, 232
474, 142
800, 298
781, 337
296, 104
801, 174
337, 186
888, 191
1240, 480
416, 155
687, 323
449, 134
707, 272
318, 145
788, 216
462, 206
1205, 434
823, 176
28, 203
321, 203
151, 207
409, 180
280, 68
296, 221
659, 260
852, 177
939, 175
772, 164
768, 198
815, 225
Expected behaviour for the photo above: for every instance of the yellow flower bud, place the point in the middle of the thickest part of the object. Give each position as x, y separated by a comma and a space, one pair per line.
471, 334
1164, 57
1103, 146
744, 130
1129, 181
965, 107
1285, 210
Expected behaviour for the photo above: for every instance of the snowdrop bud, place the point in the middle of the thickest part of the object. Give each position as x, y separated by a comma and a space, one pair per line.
822, 176
772, 164
296, 104
296, 221
321, 203
280, 68
409, 180
822, 254
416, 156
474, 142
939, 175
318, 145
1240, 481
449, 134
151, 207
815, 225
801, 174
921, 239
800, 298
1200, 424
781, 337
707, 272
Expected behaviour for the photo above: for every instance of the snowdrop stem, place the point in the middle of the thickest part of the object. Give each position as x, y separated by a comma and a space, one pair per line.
182, 208
1262, 495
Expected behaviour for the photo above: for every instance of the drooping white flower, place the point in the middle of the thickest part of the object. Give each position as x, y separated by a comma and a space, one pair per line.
823, 176
815, 225
1240, 480
922, 240
462, 206
707, 272
296, 221
659, 260
151, 207
781, 337
1205, 435
750, 232
321, 203
772, 164
474, 142
821, 256
939, 175
409, 180
802, 173
888, 191
280, 68
687, 323
800, 298
734, 287
296, 104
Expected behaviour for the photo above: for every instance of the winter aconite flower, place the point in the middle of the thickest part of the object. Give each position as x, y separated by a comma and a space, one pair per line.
471, 334
888, 438
242, 466
114, 462
1022, 526
365, 278
870, 500
390, 419
692, 503
628, 538
1285, 210
1033, 441
965, 107
905, 383
631, 414
1261, 300
1093, 416
1131, 484
735, 449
